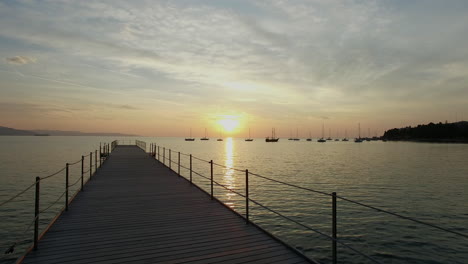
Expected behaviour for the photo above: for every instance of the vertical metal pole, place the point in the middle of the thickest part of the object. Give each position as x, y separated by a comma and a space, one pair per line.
178, 163
90, 164
164, 156
170, 161
66, 187
36, 212
159, 152
82, 170
95, 161
211, 166
334, 253
100, 155
190, 168
247, 196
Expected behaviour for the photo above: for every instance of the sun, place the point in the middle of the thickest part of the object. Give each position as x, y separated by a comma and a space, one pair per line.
228, 124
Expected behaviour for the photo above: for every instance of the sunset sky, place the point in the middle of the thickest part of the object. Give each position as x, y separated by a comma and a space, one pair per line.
159, 68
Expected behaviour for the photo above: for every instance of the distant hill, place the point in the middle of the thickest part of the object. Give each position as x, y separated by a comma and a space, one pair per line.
441, 132
6, 131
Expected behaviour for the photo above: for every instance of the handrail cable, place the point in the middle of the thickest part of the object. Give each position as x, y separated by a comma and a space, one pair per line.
292, 220
56, 201
200, 159
17, 195
317, 231
227, 167
78, 180
402, 216
348, 200
364, 205
11, 248
53, 174
75, 162
289, 184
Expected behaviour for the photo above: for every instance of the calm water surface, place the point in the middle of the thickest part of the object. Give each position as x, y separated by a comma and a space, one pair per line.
420, 180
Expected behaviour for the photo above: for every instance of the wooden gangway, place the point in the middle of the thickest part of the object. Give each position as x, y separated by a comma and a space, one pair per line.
135, 210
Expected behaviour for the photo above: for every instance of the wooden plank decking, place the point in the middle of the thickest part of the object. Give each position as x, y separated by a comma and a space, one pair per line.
137, 211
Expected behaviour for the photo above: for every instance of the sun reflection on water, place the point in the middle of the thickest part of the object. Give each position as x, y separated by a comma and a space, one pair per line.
228, 177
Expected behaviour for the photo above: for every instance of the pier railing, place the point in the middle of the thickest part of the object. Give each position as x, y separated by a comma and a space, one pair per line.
166, 157
88, 166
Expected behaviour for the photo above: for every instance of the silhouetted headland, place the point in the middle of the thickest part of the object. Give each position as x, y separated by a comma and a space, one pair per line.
439, 133
6, 131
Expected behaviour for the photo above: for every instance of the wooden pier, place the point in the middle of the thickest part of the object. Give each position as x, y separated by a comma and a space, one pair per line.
135, 210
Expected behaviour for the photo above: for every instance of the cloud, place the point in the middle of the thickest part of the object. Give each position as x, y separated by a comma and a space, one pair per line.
126, 107
21, 60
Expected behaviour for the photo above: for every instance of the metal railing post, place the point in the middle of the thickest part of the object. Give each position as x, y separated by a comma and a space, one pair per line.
334, 253
95, 161
211, 166
178, 164
170, 161
82, 172
90, 164
36, 212
66, 187
159, 154
164, 155
247, 196
190, 168
100, 155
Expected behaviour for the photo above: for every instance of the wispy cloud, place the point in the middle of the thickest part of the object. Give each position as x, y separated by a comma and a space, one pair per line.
304, 58
20, 60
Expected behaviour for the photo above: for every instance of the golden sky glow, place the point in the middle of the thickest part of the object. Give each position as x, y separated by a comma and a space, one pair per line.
158, 68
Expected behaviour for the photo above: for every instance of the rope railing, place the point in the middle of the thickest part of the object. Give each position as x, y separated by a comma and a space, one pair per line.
76, 162
334, 197
53, 174
345, 199
103, 153
227, 167
315, 230
17, 195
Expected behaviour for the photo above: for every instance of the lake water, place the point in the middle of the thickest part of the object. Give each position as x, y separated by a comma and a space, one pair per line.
425, 181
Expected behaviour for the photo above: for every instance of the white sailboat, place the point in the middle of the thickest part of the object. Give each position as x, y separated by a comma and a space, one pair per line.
204, 138
249, 138
322, 139
358, 139
190, 138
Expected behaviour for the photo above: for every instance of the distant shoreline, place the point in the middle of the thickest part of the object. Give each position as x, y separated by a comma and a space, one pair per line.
435, 140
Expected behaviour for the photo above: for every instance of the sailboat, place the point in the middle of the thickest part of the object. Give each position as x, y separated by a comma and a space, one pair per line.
273, 137
323, 132
220, 135
249, 139
337, 139
297, 135
310, 137
358, 139
290, 135
345, 136
329, 134
204, 138
190, 138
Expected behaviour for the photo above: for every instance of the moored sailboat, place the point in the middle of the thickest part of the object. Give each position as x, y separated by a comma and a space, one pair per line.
204, 138
322, 139
190, 138
249, 138
358, 139
273, 137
